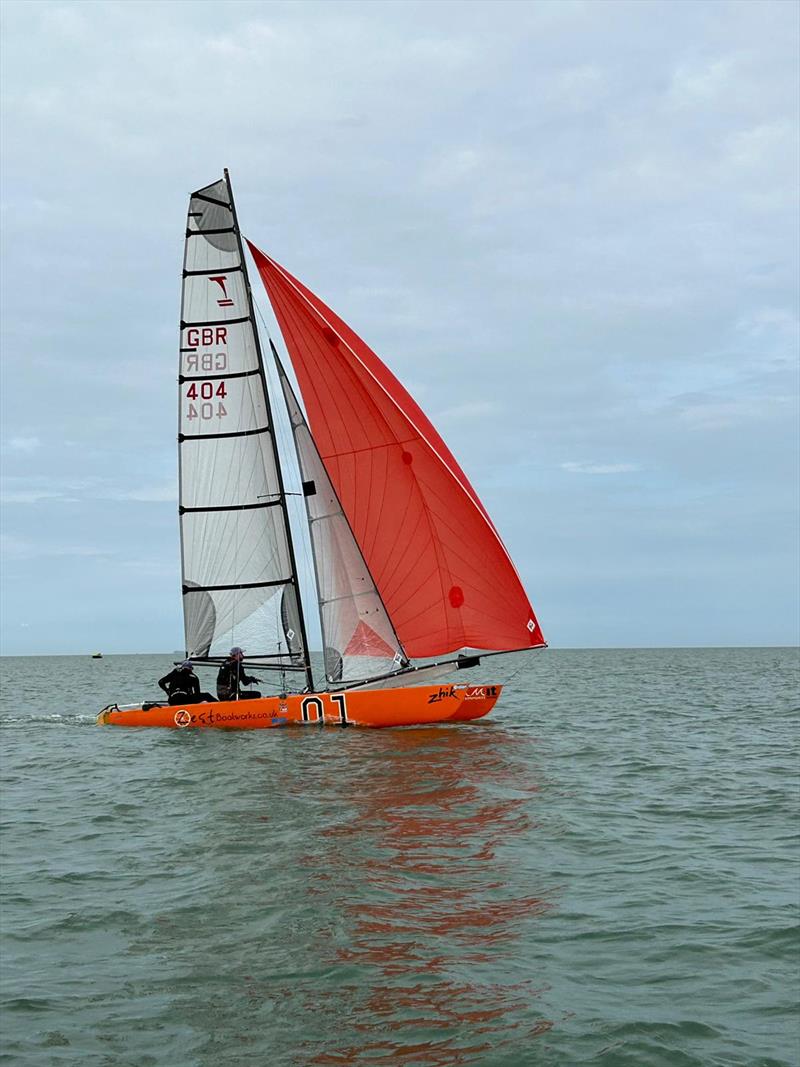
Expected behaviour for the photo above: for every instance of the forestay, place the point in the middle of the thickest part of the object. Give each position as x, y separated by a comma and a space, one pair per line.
238, 574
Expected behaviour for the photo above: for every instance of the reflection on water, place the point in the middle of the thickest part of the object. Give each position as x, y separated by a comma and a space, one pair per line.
432, 882
344, 898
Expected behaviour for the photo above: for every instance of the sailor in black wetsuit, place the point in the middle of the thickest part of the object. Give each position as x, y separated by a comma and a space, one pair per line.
182, 685
232, 677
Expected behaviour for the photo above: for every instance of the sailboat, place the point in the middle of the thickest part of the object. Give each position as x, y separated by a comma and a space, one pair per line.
407, 563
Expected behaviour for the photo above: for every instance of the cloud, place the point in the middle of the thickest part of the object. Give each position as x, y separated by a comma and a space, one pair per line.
703, 84
776, 329
761, 145
578, 88
600, 468
34, 490
452, 166
17, 548
29, 496
700, 411
150, 494
24, 444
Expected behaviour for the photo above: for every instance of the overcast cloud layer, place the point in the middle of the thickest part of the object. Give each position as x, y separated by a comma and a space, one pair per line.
569, 228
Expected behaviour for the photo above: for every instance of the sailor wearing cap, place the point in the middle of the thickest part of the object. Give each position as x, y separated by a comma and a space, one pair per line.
232, 677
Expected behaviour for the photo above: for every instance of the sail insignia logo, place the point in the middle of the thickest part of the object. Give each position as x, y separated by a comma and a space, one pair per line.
220, 279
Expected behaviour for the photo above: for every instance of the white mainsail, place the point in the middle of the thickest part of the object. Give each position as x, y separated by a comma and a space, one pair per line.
239, 576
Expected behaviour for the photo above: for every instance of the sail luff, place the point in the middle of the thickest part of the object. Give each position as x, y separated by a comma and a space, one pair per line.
181, 537
282, 489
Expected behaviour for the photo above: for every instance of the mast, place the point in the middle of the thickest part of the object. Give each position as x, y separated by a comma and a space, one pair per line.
273, 440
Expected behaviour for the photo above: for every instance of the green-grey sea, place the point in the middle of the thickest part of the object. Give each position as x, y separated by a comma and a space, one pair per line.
605, 871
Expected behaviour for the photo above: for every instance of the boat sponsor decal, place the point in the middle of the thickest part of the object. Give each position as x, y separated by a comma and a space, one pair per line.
480, 692
220, 279
182, 717
217, 717
445, 692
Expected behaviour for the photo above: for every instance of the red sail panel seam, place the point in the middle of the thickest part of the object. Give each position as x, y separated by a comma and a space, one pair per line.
398, 559
296, 333
473, 565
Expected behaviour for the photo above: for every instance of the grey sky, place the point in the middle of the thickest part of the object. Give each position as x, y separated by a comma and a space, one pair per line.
569, 228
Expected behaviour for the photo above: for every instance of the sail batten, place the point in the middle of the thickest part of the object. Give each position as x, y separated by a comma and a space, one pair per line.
437, 559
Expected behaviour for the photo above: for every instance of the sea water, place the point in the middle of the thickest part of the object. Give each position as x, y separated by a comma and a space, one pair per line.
604, 871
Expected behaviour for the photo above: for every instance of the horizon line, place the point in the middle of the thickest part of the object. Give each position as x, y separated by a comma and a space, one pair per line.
315, 651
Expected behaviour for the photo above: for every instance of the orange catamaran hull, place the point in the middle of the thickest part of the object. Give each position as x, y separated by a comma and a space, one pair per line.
413, 706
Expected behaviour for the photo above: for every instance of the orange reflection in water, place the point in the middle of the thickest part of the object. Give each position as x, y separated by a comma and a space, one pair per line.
433, 877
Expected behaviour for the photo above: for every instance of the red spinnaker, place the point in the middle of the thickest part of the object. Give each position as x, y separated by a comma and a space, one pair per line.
438, 563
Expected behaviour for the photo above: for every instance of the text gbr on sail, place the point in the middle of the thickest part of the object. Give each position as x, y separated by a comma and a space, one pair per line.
206, 337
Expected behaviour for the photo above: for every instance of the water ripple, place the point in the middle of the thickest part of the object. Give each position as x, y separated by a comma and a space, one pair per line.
605, 874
